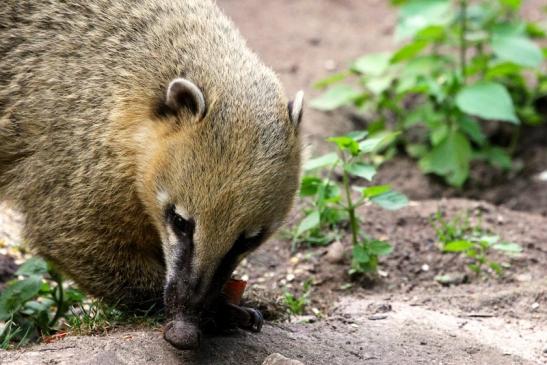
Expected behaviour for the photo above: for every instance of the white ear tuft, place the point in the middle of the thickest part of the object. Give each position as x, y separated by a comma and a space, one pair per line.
296, 108
182, 93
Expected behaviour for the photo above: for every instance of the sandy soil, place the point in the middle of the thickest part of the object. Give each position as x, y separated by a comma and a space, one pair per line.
353, 335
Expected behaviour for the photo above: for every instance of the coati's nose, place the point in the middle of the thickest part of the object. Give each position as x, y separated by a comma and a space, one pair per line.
182, 333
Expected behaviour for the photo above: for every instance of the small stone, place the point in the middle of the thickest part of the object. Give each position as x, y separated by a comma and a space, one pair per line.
451, 278
535, 306
335, 253
383, 273
278, 359
425, 267
330, 65
524, 277
290, 278
542, 176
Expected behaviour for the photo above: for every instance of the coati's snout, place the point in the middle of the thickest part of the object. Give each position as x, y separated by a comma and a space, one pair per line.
223, 178
193, 290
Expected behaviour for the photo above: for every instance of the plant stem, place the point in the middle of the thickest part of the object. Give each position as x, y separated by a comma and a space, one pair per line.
350, 207
463, 43
59, 299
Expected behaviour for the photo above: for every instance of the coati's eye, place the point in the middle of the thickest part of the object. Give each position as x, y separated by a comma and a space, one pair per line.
179, 223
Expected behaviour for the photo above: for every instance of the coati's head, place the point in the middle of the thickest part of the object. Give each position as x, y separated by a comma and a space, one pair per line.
219, 177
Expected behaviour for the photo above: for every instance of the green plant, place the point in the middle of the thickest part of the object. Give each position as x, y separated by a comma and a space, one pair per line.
32, 305
458, 235
334, 202
96, 317
462, 64
297, 304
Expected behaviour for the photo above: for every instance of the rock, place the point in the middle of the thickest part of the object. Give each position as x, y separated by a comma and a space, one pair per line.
278, 359
335, 253
452, 278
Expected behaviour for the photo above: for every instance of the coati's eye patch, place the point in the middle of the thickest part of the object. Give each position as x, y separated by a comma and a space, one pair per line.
180, 224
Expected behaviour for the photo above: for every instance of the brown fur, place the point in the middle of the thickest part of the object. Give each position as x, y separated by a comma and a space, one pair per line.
84, 150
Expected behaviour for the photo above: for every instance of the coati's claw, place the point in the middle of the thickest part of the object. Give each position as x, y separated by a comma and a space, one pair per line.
256, 320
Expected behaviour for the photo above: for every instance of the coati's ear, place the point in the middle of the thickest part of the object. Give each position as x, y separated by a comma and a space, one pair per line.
184, 94
295, 108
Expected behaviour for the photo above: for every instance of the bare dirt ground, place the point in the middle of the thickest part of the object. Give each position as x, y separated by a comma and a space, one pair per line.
407, 317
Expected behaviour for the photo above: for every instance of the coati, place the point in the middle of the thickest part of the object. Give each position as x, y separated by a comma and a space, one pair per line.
149, 149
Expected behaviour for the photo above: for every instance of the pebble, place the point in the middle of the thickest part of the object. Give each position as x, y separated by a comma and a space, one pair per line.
278, 359
330, 65
335, 253
290, 278
535, 306
425, 267
542, 176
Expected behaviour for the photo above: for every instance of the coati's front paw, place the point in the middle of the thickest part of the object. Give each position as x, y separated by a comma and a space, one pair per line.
229, 316
183, 334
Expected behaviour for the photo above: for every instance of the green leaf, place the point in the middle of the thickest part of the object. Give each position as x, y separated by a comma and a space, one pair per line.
391, 200
332, 79
458, 246
418, 14
508, 247
489, 239
346, 143
311, 221
450, 159
499, 157
357, 135
377, 141
439, 134
502, 69
360, 169
473, 129
513, 4
517, 49
360, 254
496, 267
309, 185
33, 266
17, 294
409, 51
378, 85
488, 100
379, 248
373, 64
416, 150
376, 190
335, 97
329, 191
325, 160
